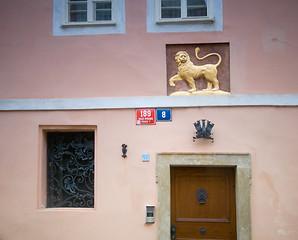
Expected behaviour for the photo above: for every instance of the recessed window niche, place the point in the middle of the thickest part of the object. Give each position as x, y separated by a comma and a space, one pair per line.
67, 167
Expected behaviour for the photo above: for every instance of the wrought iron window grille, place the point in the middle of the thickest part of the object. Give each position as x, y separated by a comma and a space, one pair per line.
70, 169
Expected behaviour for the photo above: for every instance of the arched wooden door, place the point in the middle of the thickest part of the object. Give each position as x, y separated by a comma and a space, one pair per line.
203, 204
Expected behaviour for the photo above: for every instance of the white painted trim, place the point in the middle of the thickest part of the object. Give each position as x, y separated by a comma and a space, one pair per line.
146, 102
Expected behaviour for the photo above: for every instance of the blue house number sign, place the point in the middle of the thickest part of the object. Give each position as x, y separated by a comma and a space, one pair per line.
164, 114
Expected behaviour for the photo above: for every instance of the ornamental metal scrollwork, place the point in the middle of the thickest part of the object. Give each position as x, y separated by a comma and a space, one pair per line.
202, 195
70, 179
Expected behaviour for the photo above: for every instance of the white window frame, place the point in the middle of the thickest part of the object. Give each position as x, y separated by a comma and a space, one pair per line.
213, 22
90, 14
204, 19
62, 27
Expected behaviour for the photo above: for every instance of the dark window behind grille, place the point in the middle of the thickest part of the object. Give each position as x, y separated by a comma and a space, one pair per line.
70, 169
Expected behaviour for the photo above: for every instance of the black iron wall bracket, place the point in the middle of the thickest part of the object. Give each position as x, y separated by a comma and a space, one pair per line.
124, 150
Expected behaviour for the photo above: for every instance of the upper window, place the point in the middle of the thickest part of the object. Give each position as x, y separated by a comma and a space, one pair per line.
88, 17
89, 12
184, 15
183, 10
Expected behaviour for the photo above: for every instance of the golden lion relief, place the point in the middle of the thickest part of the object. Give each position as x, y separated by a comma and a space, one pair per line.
189, 72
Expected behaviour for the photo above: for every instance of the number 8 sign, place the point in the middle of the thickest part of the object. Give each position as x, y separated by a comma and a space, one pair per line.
164, 114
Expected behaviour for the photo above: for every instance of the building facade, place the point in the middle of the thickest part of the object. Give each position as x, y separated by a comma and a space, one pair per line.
81, 80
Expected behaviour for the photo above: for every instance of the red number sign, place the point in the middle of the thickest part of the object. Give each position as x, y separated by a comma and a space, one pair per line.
145, 116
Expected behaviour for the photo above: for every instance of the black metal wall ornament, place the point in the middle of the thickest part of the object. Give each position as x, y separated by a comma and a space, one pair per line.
201, 195
124, 150
203, 130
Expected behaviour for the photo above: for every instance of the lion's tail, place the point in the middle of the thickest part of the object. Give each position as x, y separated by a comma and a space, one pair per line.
208, 55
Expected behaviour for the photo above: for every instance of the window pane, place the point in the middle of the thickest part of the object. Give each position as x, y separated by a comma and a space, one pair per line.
197, 12
170, 3
170, 8
171, 13
70, 167
196, 8
78, 12
104, 5
103, 11
78, 17
196, 2
78, 7
103, 16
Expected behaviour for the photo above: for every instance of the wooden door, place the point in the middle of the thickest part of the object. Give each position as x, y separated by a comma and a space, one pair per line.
203, 204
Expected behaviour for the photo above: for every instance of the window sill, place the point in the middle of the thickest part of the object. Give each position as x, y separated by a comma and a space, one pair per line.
186, 20
88, 24
67, 209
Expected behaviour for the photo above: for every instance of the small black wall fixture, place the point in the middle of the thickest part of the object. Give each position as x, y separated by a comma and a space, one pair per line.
124, 150
203, 131
202, 195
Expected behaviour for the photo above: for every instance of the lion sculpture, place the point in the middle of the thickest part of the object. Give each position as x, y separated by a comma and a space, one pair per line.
189, 72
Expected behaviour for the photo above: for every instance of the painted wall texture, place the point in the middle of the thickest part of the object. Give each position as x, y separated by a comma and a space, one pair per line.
125, 187
34, 64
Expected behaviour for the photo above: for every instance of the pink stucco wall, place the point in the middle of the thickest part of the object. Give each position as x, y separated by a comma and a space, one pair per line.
125, 187
34, 64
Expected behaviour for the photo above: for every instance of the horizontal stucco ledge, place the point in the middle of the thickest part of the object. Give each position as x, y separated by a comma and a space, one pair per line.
149, 102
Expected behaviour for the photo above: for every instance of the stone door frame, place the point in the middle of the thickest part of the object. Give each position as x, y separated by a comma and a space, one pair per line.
242, 163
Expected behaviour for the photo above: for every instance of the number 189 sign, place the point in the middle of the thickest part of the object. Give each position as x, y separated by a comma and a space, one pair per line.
145, 116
